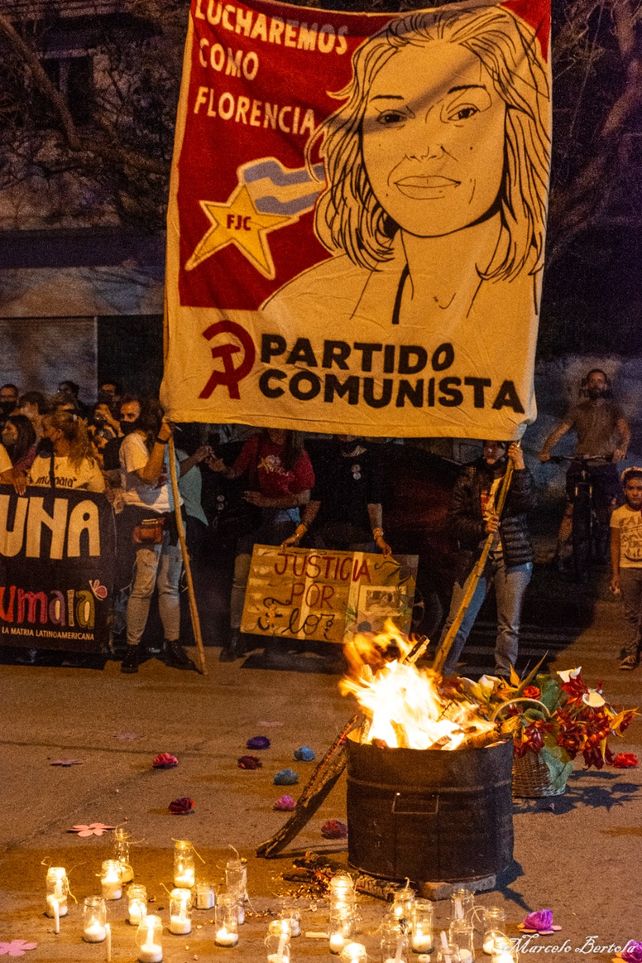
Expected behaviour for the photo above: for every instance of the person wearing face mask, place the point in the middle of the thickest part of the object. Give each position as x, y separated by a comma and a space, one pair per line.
19, 438
71, 463
471, 518
344, 510
603, 433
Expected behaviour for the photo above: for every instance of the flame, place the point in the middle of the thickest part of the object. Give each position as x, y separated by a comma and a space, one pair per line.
405, 706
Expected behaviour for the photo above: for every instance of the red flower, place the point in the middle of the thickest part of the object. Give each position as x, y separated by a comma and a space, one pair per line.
182, 806
164, 760
625, 760
334, 829
249, 762
532, 692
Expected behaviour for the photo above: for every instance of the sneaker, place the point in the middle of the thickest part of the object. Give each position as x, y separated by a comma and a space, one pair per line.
131, 658
175, 656
629, 662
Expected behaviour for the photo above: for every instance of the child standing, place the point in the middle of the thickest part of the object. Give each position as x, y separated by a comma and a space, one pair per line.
626, 562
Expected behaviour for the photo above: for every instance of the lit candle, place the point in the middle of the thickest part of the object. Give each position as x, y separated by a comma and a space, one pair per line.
111, 883
336, 942
184, 871
180, 922
225, 937
421, 940
150, 953
150, 949
136, 904
94, 932
465, 956
354, 953
504, 956
53, 910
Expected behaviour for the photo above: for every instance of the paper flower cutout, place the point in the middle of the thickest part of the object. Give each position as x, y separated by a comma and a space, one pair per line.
304, 754
334, 829
66, 762
90, 829
632, 952
16, 947
182, 806
567, 674
258, 742
594, 699
532, 692
249, 762
164, 760
285, 803
625, 760
286, 777
541, 921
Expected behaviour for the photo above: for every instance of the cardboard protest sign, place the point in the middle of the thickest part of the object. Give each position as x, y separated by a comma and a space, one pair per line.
326, 595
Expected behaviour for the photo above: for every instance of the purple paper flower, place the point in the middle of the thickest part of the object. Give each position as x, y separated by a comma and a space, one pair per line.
632, 952
258, 742
541, 921
16, 947
334, 829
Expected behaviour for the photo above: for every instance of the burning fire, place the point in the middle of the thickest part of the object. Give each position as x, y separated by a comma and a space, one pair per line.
407, 707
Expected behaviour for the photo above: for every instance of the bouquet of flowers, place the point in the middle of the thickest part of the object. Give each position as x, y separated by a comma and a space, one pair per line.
557, 716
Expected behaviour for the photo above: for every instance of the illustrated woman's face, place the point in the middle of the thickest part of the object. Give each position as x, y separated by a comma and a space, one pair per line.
433, 139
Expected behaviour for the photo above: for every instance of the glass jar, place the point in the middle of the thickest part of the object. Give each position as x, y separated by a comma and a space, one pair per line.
136, 904
504, 950
184, 869
462, 904
341, 886
111, 883
494, 925
180, 919
149, 940
205, 896
226, 921
403, 904
57, 886
461, 934
94, 919
121, 852
236, 883
447, 953
422, 922
394, 942
277, 942
290, 911
354, 953
340, 929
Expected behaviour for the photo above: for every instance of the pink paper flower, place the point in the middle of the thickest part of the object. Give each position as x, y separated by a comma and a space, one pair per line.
16, 948
90, 829
285, 803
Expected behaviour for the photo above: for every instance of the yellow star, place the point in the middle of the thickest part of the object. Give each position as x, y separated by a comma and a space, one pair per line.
238, 222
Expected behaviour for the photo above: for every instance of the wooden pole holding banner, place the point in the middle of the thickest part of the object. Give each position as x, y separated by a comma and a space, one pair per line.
473, 579
182, 541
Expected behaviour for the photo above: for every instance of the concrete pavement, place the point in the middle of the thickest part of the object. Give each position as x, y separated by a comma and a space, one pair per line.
581, 856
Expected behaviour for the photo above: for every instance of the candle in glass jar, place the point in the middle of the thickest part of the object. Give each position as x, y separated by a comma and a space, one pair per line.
205, 896
180, 922
354, 953
57, 889
184, 870
148, 940
421, 940
110, 881
94, 932
225, 937
336, 942
136, 904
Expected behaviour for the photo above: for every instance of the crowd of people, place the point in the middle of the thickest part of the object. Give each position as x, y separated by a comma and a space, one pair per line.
120, 444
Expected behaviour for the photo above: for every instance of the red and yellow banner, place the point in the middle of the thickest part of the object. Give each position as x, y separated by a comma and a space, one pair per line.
356, 218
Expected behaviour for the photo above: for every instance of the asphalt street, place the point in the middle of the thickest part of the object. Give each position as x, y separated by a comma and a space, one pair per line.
578, 855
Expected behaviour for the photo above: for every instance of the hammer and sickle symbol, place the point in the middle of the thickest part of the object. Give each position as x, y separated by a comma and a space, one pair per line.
229, 376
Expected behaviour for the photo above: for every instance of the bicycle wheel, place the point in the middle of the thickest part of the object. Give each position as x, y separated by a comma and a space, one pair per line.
581, 536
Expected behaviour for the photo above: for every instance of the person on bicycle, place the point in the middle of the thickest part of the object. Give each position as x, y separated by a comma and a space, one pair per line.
603, 436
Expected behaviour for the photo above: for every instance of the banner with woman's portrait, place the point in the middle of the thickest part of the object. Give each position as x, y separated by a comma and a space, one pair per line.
356, 218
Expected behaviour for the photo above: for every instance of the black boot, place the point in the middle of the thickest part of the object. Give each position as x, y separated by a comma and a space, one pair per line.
175, 656
131, 660
233, 648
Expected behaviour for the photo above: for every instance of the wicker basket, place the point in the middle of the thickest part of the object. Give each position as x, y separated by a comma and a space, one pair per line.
531, 777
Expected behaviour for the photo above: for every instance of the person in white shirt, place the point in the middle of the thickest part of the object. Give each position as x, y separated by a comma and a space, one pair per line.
149, 506
72, 463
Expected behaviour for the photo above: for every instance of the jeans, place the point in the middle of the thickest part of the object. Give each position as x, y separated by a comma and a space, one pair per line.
631, 585
277, 525
510, 589
156, 566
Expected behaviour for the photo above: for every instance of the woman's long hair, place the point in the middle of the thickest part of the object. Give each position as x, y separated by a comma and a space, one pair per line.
26, 437
349, 217
292, 447
75, 433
